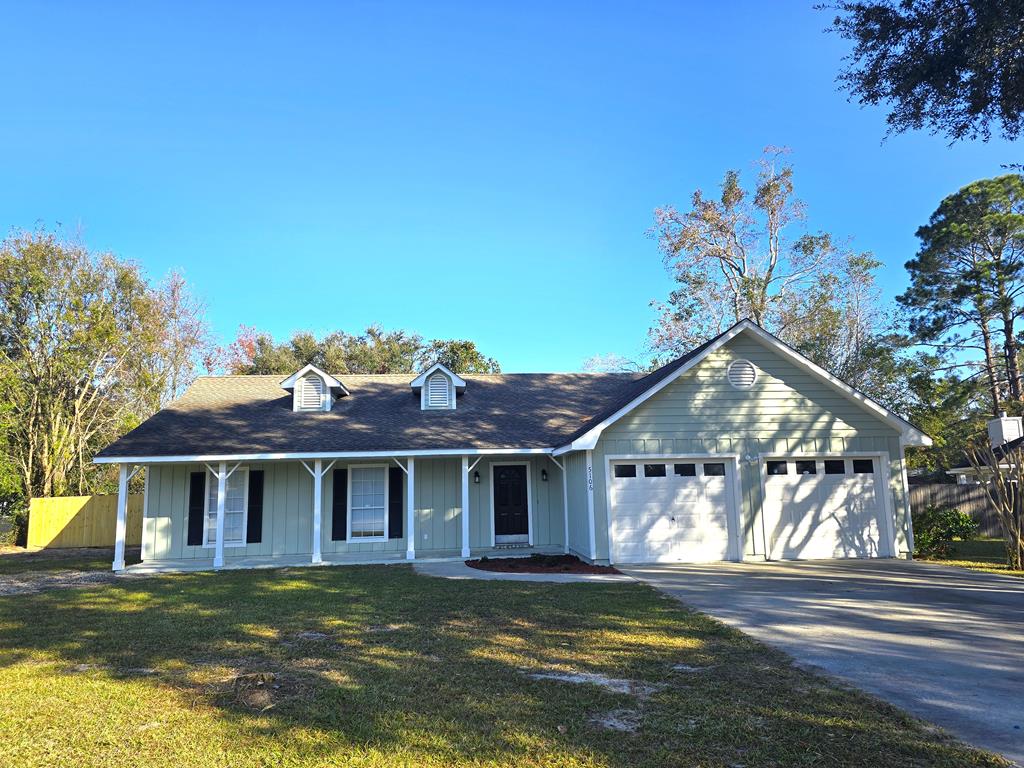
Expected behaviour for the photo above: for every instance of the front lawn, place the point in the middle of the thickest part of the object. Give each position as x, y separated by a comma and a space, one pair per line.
988, 555
377, 666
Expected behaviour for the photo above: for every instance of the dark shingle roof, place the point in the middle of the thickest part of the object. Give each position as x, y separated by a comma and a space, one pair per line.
252, 415
1000, 452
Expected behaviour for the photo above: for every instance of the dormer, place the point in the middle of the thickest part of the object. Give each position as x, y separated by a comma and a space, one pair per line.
312, 389
438, 388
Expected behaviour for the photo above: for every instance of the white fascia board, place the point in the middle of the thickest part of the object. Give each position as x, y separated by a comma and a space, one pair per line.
332, 383
911, 435
196, 458
420, 380
588, 440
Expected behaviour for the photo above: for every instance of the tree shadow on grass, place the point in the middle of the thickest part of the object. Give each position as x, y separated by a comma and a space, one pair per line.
432, 670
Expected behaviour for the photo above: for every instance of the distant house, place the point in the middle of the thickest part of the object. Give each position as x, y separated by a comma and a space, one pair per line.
1005, 434
740, 449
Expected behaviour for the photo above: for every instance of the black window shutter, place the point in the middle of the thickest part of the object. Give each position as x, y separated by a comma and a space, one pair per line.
395, 503
339, 506
196, 504
254, 524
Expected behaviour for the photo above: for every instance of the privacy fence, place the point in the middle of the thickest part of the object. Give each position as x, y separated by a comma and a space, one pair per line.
967, 498
81, 521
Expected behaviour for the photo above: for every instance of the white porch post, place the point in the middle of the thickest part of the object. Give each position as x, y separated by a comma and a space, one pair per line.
410, 510
122, 516
318, 487
222, 481
590, 505
465, 506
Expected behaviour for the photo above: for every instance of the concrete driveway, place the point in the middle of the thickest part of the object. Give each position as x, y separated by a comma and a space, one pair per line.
943, 643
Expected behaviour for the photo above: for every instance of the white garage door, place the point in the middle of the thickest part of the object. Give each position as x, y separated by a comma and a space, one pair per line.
672, 510
825, 508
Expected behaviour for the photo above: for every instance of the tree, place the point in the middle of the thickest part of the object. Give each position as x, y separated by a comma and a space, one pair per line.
967, 282
87, 350
374, 351
735, 257
460, 356
952, 66
1001, 473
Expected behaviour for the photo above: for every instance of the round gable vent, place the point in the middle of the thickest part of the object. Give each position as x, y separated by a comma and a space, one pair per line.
742, 374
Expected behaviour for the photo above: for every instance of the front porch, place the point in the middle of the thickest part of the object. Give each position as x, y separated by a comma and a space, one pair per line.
301, 561
345, 510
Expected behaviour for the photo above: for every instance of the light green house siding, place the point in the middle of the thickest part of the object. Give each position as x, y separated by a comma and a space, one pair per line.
786, 411
579, 515
288, 511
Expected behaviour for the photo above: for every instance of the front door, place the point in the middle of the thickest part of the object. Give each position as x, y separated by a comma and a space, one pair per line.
511, 514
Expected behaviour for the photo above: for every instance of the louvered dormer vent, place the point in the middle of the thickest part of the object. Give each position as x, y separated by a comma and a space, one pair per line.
311, 393
438, 391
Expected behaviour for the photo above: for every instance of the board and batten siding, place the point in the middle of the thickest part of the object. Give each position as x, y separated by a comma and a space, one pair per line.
288, 511
579, 518
786, 411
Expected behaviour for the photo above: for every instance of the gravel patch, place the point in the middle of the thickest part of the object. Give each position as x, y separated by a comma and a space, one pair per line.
32, 583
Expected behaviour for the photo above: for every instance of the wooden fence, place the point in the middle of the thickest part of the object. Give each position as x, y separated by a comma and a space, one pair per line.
967, 498
81, 521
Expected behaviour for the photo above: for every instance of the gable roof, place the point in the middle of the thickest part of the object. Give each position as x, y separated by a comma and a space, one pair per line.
249, 417
420, 380
587, 437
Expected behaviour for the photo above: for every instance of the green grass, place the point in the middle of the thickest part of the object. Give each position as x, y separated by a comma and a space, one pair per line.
988, 555
377, 666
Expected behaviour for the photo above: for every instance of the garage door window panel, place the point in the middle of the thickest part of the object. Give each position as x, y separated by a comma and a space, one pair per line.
654, 470
863, 466
778, 467
625, 470
685, 470
806, 468
714, 470
835, 467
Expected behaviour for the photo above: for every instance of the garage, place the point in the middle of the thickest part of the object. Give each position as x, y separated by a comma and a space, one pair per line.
673, 510
825, 507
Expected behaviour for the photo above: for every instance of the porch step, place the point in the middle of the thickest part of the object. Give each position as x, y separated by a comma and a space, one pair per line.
516, 545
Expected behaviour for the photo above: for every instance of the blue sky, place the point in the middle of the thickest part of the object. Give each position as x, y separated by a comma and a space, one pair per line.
469, 170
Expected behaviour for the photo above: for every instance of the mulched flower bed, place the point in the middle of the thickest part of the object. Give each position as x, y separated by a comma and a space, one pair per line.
538, 564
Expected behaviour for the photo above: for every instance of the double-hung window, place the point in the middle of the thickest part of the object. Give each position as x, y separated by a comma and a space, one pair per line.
236, 498
368, 503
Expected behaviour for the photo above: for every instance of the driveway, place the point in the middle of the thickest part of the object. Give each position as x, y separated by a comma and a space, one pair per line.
943, 643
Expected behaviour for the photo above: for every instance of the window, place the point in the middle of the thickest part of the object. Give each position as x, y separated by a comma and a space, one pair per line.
714, 470
742, 374
863, 466
686, 470
236, 500
625, 470
654, 470
778, 468
438, 391
367, 502
806, 468
309, 392
835, 467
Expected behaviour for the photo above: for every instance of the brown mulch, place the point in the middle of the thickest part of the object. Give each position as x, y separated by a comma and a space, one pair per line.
538, 564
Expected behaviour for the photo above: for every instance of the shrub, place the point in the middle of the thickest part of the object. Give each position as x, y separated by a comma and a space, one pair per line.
935, 529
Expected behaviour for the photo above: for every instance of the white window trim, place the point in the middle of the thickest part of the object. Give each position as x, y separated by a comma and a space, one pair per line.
349, 538
529, 497
245, 509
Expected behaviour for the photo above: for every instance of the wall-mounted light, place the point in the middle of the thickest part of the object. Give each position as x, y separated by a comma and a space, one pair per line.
476, 477
544, 475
